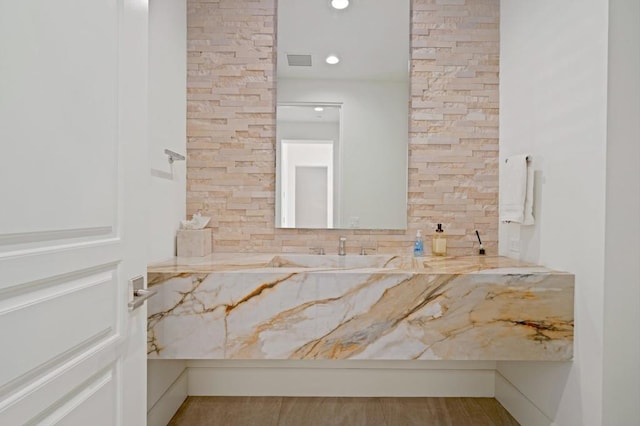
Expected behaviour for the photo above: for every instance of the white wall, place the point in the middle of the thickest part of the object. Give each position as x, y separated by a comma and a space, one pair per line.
167, 123
374, 123
166, 390
167, 129
553, 82
352, 377
621, 387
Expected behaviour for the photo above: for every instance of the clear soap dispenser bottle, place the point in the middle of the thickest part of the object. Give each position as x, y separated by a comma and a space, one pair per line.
418, 246
439, 247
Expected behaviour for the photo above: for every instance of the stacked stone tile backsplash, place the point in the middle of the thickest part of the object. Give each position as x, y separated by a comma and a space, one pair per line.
453, 140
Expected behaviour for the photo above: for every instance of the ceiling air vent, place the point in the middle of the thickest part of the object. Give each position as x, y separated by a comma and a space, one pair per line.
299, 60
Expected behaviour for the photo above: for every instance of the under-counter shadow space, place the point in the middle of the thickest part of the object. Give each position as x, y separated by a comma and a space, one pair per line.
334, 411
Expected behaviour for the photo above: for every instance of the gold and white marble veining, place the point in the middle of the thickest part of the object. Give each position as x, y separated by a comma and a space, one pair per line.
359, 307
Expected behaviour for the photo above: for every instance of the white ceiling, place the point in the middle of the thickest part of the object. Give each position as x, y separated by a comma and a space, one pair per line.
307, 114
371, 37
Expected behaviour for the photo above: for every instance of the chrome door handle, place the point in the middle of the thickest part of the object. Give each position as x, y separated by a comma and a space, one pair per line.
140, 294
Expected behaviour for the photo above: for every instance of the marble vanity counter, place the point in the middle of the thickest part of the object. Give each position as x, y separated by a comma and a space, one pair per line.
291, 306
229, 262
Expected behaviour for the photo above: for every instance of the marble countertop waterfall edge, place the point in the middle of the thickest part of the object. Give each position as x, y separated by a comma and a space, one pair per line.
377, 307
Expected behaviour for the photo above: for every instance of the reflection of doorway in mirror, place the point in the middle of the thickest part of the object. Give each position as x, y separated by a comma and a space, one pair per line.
311, 197
303, 163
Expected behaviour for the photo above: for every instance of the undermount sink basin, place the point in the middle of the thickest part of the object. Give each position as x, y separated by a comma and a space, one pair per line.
335, 261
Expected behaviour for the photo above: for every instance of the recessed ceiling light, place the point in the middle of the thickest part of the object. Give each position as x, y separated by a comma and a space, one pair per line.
332, 59
339, 4
318, 109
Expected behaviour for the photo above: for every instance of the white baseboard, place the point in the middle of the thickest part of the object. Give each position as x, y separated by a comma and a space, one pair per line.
335, 378
164, 409
518, 405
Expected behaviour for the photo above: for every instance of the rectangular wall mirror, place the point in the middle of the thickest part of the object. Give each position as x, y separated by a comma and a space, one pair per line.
342, 129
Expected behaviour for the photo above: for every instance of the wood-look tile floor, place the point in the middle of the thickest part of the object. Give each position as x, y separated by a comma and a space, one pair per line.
332, 411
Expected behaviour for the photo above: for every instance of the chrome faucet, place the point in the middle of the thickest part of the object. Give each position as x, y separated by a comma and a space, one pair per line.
342, 246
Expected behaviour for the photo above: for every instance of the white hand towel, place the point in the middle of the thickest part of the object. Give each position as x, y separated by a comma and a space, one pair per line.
516, 191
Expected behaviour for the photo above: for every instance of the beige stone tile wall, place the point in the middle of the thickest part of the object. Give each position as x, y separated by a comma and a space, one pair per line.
453, 140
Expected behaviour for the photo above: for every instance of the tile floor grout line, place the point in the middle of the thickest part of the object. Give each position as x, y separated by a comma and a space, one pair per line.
280, 410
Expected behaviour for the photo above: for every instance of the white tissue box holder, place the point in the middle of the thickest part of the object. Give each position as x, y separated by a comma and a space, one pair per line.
194, 242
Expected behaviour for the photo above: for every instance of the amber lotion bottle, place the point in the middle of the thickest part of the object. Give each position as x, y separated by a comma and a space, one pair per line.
439, 246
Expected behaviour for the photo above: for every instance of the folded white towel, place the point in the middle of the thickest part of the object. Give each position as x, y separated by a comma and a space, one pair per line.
516, 191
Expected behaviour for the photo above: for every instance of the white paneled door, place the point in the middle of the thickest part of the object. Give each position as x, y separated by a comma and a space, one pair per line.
73, 156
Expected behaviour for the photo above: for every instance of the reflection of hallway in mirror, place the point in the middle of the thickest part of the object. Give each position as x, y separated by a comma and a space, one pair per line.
307, 183
311, 197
